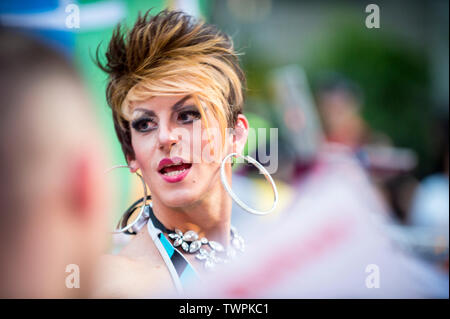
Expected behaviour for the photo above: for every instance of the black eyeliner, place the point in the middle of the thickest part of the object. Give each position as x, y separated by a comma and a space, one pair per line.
135, 123
190, 110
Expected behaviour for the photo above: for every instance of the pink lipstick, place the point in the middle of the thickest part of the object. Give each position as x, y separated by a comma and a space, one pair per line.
173, 170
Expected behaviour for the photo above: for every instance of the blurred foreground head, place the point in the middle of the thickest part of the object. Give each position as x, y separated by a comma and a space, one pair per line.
52, 197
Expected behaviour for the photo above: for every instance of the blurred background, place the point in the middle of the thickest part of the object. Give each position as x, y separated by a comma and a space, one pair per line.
319, 75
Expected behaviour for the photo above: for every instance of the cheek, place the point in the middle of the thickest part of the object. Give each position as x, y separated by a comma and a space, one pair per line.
144, 149
212, 149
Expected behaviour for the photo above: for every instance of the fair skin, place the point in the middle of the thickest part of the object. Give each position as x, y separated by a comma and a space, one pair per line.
198, 202
60, 215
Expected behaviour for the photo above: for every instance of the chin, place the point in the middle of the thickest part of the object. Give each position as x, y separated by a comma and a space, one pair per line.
180, 197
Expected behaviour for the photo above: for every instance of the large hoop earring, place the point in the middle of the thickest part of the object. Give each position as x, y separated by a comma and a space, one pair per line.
124, 218
237, 199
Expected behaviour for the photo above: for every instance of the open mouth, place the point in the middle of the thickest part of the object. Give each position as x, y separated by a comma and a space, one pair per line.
175, 169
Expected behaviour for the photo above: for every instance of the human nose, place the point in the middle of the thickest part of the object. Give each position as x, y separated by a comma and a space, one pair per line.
166, 138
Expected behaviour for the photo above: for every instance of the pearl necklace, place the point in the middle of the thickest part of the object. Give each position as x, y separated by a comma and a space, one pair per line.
191, 243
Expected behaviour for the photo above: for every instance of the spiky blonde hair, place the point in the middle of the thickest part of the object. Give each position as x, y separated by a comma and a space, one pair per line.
172, 53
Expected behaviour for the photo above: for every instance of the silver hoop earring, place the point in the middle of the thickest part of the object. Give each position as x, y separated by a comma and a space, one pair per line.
119, 230
237, 199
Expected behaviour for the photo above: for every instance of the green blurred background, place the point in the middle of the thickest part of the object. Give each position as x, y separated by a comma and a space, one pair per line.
401, 68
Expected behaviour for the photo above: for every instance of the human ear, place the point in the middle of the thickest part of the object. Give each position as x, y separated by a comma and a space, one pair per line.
240, 134
81, 186
132, 164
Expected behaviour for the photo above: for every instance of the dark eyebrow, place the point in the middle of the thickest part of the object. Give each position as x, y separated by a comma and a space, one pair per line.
180, 103
174, 107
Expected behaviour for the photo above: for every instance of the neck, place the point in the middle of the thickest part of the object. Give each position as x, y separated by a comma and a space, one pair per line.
209, 217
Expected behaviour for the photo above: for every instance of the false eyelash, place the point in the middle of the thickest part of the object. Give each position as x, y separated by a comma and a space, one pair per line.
136, 123
194, 113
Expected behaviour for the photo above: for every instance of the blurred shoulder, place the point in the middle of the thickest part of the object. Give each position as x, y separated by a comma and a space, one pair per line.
121, 276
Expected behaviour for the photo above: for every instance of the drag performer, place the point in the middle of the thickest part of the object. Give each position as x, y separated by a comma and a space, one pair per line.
176, 92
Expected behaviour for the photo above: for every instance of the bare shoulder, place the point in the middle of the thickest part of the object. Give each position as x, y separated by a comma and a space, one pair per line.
138, 271
125, 277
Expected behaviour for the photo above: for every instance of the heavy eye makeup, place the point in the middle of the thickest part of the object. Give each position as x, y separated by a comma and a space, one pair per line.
187, 115
146, 122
